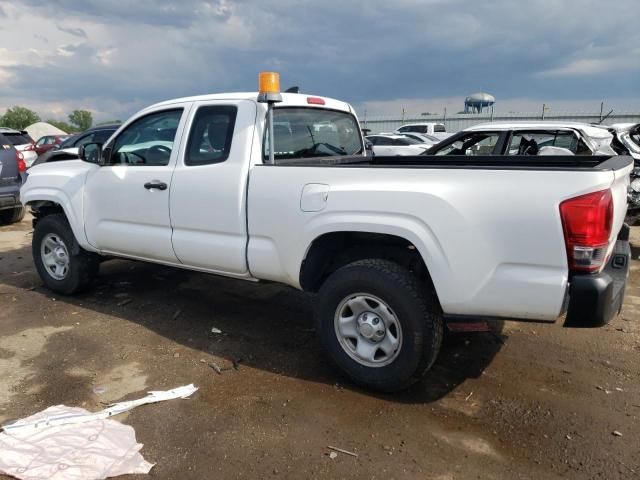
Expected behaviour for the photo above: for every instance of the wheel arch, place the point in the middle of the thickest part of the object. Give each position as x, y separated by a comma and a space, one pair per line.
330, 251
46, 204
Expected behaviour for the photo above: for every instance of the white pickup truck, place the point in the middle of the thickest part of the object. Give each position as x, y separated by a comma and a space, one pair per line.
394, 247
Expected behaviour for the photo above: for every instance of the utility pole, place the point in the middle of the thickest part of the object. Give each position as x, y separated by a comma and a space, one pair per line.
601, 110
544, 109
402, 115
445, 117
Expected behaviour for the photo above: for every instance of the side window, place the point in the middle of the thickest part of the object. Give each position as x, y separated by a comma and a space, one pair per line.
211, 135
42, 141
148, 141
530, 143
439, 128
472, 144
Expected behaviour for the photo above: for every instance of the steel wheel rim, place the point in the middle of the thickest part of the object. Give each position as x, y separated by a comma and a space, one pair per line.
368, 330
55, 256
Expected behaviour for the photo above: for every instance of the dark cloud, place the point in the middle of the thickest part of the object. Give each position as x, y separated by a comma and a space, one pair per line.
76, 32
358, 51
150, 12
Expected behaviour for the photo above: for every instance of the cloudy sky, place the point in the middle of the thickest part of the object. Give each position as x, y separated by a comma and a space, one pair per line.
114, 57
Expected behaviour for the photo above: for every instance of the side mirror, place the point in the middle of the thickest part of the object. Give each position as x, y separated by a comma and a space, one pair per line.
91, 152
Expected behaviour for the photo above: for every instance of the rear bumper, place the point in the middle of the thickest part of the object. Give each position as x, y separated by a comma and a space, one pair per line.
595, 299
9, 201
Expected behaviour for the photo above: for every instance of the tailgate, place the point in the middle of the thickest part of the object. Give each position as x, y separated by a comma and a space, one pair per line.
8, 164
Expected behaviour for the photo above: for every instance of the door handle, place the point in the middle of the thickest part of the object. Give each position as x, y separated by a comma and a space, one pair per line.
155, 184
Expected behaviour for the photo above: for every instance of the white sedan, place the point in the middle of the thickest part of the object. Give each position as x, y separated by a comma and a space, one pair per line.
394, 145
422, 137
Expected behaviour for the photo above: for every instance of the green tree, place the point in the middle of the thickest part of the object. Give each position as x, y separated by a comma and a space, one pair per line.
64, 126
19, 118
81, 118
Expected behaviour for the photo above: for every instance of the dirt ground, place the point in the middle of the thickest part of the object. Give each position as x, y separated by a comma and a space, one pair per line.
536, 402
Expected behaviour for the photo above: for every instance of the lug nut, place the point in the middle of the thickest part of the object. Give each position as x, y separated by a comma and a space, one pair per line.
376, 321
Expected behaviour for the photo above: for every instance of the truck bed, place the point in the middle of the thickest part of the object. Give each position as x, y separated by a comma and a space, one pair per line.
488, 227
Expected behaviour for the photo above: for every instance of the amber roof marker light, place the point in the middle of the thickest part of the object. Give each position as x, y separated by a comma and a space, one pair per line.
269, 93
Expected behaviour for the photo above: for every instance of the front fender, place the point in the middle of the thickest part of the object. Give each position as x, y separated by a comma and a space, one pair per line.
62, 186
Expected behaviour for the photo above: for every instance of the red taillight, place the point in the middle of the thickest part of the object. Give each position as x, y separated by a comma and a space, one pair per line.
587, 221
315, 101
29, 148
22, 167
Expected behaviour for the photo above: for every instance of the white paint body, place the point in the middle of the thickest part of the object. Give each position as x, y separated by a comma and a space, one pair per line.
496, 251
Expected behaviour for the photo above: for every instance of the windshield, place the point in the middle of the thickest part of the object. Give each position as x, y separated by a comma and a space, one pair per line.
69, 142
407, 141
312, 132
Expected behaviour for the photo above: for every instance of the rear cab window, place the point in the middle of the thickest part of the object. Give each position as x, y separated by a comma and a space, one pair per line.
303, 132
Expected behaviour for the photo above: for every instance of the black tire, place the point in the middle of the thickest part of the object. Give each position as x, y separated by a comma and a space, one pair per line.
13, 215
414, 307
83, 266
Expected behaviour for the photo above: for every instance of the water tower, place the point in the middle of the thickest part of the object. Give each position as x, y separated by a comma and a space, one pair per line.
477, 102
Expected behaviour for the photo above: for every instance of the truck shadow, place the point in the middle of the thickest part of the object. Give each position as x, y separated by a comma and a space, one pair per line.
263, 326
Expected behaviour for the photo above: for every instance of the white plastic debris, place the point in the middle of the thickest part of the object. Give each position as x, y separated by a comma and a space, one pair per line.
69, 443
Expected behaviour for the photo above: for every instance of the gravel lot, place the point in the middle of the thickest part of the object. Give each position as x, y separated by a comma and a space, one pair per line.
537, 401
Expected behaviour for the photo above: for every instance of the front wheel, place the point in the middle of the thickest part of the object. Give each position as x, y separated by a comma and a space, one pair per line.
379, 324
62, 264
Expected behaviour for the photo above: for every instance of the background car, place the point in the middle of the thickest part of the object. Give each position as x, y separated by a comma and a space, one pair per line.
628, 134
438, 130
68, 149
12, 168
528, 138
46, 143
394, 145
21, 140
422, 137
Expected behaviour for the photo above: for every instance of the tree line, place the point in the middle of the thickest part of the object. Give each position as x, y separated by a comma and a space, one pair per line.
20, 117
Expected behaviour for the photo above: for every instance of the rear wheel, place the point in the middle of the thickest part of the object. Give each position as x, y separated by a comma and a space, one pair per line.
379, 324
61, 263
13, 215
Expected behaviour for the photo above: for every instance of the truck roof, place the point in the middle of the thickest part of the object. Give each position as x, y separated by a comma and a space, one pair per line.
594, 131
288, 99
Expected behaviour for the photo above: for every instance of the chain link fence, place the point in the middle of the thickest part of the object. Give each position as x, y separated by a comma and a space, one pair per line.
460, 121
